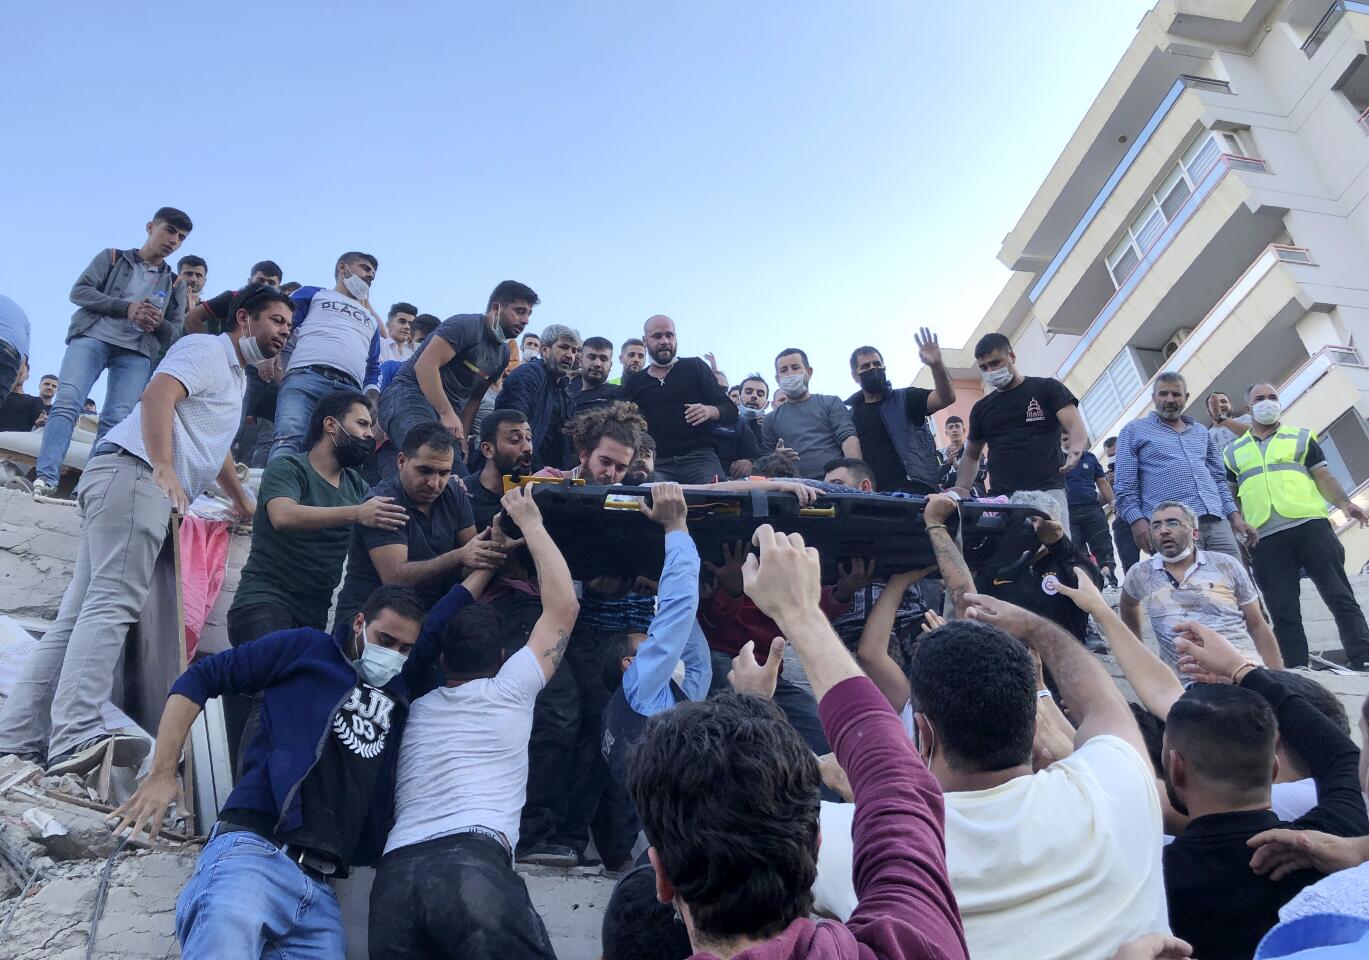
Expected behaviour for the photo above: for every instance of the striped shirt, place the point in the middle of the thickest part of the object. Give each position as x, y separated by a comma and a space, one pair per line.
1156, 463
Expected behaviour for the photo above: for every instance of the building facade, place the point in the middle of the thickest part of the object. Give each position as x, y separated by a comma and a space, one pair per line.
1209, 217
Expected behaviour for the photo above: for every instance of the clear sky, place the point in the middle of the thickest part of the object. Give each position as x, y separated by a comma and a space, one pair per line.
770, 173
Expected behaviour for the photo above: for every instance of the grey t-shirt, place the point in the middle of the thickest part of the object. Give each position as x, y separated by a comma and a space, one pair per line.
815, 428
121, 331
479, 357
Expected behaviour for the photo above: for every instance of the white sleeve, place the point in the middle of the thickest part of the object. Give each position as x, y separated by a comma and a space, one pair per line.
1126, 787
196, 361
521, 678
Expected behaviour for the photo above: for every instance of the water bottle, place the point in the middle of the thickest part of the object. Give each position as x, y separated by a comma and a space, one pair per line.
158, 300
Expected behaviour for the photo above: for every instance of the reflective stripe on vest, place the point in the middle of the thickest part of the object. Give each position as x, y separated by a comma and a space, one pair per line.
1275, 477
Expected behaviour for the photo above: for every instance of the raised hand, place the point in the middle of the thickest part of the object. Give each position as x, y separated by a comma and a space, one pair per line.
668, 507
728, 574
748, 676
382, 513
853, 577
786, 577
1205, 655
928, 347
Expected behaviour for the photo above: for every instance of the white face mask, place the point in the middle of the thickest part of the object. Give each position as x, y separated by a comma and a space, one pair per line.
356, 286
378, 665
998, 379
794, 385
1182, 555
251, 350
499, 335
1266, 412
530, 354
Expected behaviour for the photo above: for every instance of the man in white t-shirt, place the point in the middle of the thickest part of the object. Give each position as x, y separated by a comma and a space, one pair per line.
1062, 863
399, 345
163, 455
446, 885
335, 345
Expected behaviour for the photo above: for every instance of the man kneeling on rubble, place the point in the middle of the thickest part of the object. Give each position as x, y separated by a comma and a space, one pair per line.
317, 789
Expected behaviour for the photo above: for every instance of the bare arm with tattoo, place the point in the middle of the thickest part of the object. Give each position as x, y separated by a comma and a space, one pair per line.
954, 571
551, 633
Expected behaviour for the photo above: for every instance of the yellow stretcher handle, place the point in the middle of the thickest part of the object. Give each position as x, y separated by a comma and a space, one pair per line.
509, 483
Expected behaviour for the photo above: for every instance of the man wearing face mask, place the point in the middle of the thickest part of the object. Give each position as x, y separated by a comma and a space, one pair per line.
317, 792
892, 424
1021, 421
1182, 584
335, 344
810, 429
530, 347
164, 454
446, 379
1284, 483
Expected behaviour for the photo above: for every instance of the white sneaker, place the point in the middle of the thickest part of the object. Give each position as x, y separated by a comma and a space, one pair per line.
42, 489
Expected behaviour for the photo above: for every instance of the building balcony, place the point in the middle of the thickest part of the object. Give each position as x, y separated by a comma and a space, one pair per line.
1183, 275
1248, 335
1321, 32
1151, 153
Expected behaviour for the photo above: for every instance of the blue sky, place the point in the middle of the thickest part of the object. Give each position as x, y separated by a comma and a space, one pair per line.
769, 174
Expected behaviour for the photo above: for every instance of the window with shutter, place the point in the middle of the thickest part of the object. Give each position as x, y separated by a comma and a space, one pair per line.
1347, 432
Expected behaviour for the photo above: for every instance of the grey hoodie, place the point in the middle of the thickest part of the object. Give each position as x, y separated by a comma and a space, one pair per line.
98, 292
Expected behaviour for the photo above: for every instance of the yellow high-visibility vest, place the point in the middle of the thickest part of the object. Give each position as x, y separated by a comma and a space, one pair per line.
1276, 477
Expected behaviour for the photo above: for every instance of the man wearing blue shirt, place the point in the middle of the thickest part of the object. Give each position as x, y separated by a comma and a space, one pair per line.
648, 662
335, 346
1168, 456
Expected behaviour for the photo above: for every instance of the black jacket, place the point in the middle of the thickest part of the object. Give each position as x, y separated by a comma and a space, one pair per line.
1216, 902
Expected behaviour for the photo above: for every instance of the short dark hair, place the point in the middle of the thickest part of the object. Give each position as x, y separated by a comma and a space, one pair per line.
618, 420
637, 926
1326, 702
775, 467
193, 261
254, 298
989, 343
788, 350
400, 600
754, 376
173, 218
702, 777
597, 343
49, 376
268, 267
631, 342
859, 352
290, 286
951, 420
1110, 442
336, 405
352, 256
401, 307
530, 335
1225, 733
472, 642
424, 323
1153, 733
860, 470
434, 436
489, 427
977, 685
511, 291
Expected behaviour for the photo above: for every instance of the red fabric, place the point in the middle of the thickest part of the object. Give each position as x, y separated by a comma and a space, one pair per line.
204, 559
905, 908
729, 622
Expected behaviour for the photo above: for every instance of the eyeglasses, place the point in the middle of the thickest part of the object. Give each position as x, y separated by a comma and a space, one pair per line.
1170, 524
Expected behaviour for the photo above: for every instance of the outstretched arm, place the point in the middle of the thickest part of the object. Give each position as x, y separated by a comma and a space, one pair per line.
872, 652
954, 571
551, 632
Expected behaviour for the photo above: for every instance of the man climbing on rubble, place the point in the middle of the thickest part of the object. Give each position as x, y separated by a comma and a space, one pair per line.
169, 449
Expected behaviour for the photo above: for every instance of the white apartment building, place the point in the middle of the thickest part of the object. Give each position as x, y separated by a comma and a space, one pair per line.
1209, 216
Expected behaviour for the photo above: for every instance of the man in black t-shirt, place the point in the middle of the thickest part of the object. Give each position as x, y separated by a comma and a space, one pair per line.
209, 316
19, 411
591, 388
439, 539
1021, 421
895, 438
681, 399
506, 445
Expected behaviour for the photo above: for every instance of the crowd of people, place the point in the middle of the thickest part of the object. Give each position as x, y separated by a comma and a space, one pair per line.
778, 762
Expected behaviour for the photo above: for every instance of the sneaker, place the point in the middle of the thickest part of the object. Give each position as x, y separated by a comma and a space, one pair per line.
42, 490
549, 855
1110, 579
128, 752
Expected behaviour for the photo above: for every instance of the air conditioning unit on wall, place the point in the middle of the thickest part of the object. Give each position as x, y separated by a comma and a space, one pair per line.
1172, 344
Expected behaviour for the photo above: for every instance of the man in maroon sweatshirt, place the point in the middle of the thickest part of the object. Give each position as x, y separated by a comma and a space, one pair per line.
728, 797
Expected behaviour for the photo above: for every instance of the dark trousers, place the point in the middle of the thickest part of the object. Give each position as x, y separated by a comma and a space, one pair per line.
1127, 552
456, 897
551, 757
241, 714
698, 466
1314, 547
1088, 524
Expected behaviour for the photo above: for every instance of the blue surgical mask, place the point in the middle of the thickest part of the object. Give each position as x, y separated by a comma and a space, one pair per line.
378, 665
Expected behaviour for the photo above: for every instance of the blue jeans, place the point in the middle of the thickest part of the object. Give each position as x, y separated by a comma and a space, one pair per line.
246, 897
86, 358
300, 392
